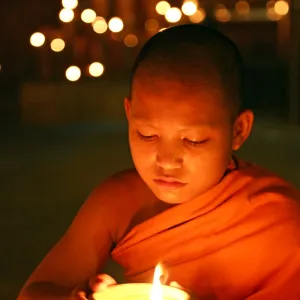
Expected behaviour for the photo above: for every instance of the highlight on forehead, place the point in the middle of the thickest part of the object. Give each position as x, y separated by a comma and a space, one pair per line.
193, 54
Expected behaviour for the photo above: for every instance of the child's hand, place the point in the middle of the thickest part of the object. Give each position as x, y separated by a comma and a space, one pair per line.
96, 284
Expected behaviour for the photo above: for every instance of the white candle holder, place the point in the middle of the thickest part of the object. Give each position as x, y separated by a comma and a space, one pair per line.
139, 291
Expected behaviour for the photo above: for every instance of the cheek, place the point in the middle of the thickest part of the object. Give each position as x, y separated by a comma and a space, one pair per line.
142, 152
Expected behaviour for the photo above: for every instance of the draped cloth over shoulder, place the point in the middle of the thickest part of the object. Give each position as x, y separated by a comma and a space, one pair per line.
232, 242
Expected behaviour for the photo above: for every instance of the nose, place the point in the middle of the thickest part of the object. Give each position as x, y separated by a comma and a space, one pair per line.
169, 158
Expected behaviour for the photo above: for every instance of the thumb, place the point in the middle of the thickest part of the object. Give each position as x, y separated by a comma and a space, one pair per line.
101, 282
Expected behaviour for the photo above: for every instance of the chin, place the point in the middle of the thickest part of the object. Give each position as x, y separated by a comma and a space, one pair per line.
171, 197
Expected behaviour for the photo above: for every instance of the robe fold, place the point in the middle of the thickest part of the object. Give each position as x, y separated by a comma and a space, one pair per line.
239, 240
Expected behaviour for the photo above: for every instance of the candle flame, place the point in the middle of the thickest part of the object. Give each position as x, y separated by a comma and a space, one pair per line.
157, 291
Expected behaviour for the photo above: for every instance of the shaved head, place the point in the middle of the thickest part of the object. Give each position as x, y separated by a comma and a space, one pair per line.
195, 56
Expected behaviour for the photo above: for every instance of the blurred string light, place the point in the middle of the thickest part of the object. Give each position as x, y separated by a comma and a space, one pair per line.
271, 14
189, 7
199, 16
131, 40
281, 7
222, 14
162, 7
100, 25
66, 15
57, 45
173, 15
69, 4
96, 69
242, 7
151, 25
88, 16
115, 24
37, 39
73, 73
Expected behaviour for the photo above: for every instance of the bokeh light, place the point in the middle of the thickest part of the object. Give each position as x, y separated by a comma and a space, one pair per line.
100, 25
222, 14
131, 40
73, 73
199, 16
162, 7
189, 7
37, 39
151, 25
242, 7
173, 15
115, 24
270, 12
57, 45
66, 15
69, 4
96, 69
281, 8
270, 4
88, 16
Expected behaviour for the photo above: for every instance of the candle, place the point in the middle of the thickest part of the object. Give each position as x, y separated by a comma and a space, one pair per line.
140, 291
143, 291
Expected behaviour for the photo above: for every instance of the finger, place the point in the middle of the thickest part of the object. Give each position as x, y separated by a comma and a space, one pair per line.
101, 282
79, 295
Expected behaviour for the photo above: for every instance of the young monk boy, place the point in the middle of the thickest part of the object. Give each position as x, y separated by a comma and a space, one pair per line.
223, 228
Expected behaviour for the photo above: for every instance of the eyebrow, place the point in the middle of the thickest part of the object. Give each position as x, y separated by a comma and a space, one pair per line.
145, 122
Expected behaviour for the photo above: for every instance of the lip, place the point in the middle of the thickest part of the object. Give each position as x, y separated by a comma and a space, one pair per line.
169, 183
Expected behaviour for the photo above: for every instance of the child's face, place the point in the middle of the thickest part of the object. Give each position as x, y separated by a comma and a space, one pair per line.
179, 134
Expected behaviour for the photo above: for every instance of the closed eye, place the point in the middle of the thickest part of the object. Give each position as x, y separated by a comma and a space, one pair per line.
146, 137
196, 143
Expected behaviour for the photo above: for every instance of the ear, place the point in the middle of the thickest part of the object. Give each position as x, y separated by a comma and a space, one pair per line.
127, 106
242, 128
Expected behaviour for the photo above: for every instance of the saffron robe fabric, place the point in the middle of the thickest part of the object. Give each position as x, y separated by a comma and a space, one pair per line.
239, 240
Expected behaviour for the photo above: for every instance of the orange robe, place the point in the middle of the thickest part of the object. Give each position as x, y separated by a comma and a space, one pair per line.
239, 240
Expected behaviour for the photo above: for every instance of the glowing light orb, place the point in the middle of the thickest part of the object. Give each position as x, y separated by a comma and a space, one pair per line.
131, 40
115, 24
96, 69
173, 15
73, 73
242, 7
281, 8
189, 8
88, 16
199, 16
57, 45
162, 7
37, 39
69, 4
66, 15
100, 25
151, 25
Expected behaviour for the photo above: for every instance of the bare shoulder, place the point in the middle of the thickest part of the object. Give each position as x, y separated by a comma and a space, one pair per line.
121, 182
122, 188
